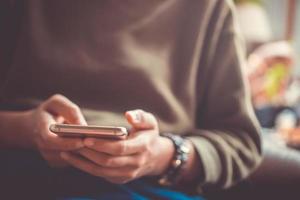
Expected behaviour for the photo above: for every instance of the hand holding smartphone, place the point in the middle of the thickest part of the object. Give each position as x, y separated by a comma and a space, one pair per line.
106, 132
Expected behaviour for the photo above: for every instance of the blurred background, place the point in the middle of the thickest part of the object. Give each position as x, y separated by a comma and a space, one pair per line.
271, 29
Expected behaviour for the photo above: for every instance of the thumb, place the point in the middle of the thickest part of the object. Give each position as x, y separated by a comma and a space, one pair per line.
61, 106
140, 119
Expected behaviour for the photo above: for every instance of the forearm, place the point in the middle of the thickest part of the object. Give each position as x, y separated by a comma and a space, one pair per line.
226, 157
13, 129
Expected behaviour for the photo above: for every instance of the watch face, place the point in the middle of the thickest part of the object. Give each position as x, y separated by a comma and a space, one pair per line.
184, 148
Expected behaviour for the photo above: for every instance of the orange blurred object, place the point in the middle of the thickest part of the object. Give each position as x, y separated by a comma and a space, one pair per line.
291, 137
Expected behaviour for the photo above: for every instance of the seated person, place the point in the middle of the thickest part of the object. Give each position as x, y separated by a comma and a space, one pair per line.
178, 61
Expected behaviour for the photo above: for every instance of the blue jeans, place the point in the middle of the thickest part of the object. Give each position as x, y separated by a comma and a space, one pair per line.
25, 175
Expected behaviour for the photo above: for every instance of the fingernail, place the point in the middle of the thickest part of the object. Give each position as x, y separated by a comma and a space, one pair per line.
136, 116
64, 155
89, 142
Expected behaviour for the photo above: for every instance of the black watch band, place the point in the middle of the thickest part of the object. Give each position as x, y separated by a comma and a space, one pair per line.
180, 157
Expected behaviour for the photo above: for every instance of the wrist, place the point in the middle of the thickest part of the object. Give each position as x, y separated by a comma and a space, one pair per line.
190, 172
165, 155
179, 160
27, 136
14, 133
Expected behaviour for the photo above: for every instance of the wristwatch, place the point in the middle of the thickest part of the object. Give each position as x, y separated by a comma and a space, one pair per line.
180, 158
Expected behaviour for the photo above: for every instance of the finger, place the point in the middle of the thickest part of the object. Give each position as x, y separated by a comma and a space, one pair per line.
105, 160
94, 169
130, 146
52, 141
60, 105
59, 119
56, 142
140, 119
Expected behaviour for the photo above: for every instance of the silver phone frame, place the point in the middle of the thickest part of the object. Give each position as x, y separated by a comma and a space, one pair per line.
108, 132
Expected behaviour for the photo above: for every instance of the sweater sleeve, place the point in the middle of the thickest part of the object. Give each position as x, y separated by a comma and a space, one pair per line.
227, 135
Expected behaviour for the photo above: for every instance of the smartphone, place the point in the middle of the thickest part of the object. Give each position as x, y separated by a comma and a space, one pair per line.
107, 132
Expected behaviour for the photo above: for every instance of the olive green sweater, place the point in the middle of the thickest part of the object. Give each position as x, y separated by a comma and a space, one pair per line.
181, 60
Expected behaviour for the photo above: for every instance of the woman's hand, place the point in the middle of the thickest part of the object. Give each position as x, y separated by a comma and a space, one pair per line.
57, 109
144, 153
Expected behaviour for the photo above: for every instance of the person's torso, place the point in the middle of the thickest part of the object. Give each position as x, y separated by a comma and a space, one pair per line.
111, 56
